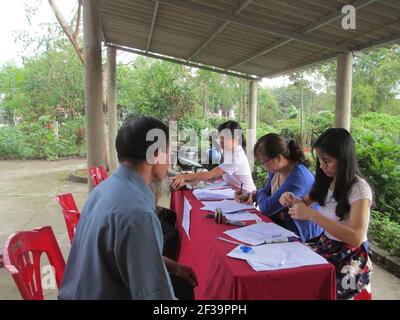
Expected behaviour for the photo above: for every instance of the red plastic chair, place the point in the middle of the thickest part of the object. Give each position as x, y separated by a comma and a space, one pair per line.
98, 174
22, 252
70, 212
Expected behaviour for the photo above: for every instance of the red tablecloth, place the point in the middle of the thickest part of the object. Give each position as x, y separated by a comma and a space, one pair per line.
222, 277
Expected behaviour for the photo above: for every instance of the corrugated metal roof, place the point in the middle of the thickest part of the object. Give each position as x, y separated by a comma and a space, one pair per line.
249, 38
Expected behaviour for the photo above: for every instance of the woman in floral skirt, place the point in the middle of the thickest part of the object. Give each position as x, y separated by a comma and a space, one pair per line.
345, 200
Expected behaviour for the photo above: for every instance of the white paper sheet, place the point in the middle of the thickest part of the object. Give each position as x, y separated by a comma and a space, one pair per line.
216, 184
226, 206
186, 216
278, 256
242, 216
259, 233
217, 194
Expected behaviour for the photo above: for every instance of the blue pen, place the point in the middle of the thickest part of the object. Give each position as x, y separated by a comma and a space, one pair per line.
281, 240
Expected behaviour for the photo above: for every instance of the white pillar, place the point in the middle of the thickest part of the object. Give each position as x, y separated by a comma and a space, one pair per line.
112, 106
93, 84
344, 76
252, 132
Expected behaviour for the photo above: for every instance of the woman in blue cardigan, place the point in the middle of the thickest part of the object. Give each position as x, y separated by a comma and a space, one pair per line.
287, 172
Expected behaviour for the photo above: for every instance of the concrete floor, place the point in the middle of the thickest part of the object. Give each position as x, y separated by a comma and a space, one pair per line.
27, 192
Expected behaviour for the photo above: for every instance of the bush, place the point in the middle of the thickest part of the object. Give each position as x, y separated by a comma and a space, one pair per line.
385, 232
379, 160
10, 142
37, 140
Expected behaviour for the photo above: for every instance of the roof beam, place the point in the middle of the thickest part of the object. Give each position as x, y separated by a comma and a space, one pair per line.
153, 22
358, 4
253, 24
183, 62
219, 29
392, 38
299, 66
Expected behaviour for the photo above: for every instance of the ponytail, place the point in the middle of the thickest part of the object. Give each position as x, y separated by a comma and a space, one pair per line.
273, 145
296, 153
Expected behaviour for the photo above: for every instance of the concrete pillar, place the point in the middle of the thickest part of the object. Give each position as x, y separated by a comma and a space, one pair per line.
112, 105
93, 84
344, 78
251, 137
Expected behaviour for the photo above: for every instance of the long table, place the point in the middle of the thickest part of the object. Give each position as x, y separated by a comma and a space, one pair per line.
222, 277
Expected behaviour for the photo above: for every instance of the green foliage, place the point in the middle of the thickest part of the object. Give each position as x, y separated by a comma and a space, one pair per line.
36, 140
379, 160
259, 175
11, 143
157, 88
385, 232
269, 111
375, 81
43, 82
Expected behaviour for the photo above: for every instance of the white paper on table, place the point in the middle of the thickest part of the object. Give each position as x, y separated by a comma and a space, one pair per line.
216, 184
186, 216
226, 206
217, 194
258, 233
279, 256
242, 216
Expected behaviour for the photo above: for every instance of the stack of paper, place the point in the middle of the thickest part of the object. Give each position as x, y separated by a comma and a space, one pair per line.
259, 233
216, 184
215, 194
226, 206
278, 256
242, 216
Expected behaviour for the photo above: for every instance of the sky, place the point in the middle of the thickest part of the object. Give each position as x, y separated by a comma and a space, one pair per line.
13, 20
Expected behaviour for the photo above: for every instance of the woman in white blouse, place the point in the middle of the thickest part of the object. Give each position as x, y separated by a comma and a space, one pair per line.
345, 200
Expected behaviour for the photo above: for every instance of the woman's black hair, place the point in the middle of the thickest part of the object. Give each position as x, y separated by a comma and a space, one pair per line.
132, 143
233, 127
338, 144
272, 145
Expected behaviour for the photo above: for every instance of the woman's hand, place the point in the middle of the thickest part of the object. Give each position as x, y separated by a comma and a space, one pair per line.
242, 197
288, 199
179, 181
248, 198
300, 211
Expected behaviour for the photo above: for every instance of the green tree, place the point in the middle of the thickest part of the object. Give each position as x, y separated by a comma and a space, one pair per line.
156, 87
269, 111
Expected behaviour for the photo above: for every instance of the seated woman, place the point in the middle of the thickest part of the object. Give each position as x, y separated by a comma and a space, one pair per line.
235, 168
345, 199
288, 172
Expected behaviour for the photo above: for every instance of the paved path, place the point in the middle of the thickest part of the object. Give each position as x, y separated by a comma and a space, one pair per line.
27, 191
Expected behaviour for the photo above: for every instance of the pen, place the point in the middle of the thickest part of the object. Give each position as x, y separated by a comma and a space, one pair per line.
241, 188
230, 241
236, 223
281, 240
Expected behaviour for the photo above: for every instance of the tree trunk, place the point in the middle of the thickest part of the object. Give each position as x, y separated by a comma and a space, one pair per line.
240, 108
73, 36
204, 105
